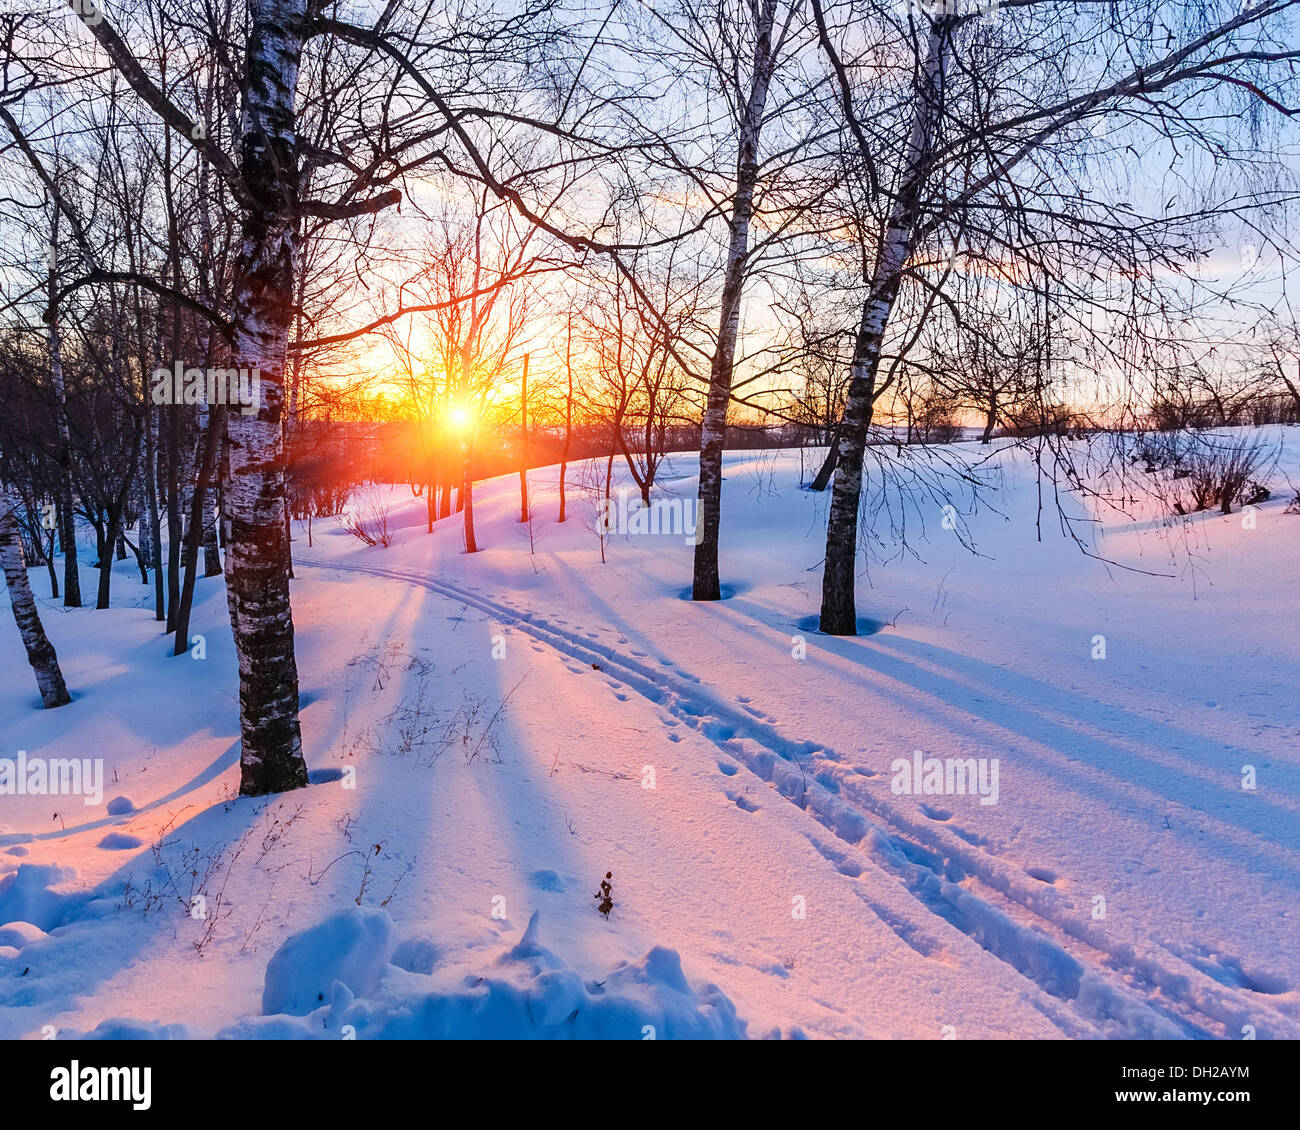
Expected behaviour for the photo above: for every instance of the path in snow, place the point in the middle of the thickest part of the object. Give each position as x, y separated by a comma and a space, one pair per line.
1144, 990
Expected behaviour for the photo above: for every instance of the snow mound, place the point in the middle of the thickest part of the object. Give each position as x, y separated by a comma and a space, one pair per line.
119, 1029
120, 841
527, 993
26, 895
417, 955
121, 806
352, 948
20, 934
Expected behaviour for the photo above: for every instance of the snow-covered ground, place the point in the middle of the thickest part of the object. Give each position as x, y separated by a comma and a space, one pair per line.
490, 734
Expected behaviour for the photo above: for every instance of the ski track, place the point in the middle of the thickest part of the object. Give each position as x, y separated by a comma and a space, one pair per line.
1058, 947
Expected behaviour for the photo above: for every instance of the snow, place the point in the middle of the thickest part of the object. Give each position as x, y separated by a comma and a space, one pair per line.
489, 734
524, 992
350, 948
27, 898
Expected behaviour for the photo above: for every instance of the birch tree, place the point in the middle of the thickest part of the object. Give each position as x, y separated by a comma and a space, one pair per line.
40, 652
1000, 109
752, 44
264, 180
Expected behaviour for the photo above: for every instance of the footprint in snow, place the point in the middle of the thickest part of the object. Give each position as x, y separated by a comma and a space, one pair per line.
973, 838
1228, 970
546, 880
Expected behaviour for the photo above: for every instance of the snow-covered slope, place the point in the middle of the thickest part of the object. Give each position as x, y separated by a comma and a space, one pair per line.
490, 734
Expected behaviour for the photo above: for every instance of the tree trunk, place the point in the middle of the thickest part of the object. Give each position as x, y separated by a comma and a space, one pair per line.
211, 445
568, 416
49, 565
823, 479
139, 559
142, 533
467, 506
523, 448
106, 561
257, 552
103, 551
705, 584
40, 652
172, 411
175, 535
838, 611
211, 553
68, 519
151, 517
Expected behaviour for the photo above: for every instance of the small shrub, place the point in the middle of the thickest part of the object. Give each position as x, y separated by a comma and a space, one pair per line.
1223, 473
605, 895
370, 526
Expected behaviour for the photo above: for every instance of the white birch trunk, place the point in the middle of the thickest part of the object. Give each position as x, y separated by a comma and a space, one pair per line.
40, 652
838, 611
67, 517
713, 430
257, 553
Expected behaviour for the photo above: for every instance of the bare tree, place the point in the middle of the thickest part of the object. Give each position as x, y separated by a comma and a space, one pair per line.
993, 153
40, 652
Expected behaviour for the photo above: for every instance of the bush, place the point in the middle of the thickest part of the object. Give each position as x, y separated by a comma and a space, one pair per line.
370, 526
1158, 451
1223, 473
937, 420
319, 499
1029, 419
